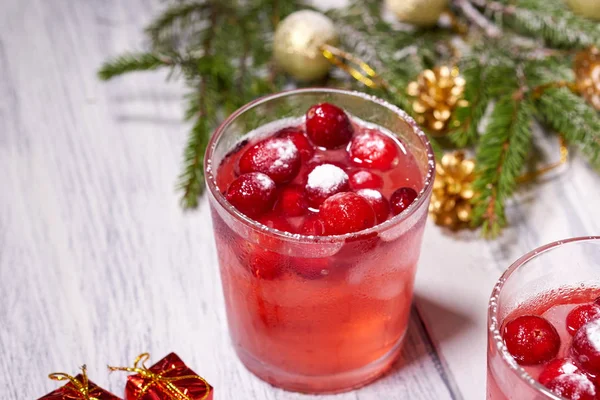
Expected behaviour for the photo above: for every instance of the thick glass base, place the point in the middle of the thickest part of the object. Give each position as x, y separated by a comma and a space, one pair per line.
335, 383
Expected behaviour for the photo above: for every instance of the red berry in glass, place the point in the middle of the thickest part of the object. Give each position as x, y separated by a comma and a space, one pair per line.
373, 150
378, 202
276, 157
300, 140
253, 194
586, 347
292, 201
324, 181
401, 199
573, 387
328, 126
346, 213
557, 367
363, 179
581, 315
275, 295
531, 339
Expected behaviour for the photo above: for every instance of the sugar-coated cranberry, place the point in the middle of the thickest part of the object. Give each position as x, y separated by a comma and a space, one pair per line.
555, 368
300, 140
572, 387
328, 126
275, 221
401, 199
346, 213
379, 203
292, 201
252, 194
313, 226
374, 150
265, 264
586, 347
581, 315
277, 157
362, 179
324, 181
531, 339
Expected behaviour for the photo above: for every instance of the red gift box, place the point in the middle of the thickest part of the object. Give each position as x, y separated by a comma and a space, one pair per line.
78, 388
168, 379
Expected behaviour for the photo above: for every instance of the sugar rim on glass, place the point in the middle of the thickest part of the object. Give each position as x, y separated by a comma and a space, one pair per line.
494, 324
415, 205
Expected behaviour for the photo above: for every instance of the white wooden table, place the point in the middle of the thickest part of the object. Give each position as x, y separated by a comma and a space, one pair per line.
98, 262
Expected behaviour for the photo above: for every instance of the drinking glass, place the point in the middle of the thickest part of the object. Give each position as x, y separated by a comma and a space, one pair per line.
343, 328
563, 266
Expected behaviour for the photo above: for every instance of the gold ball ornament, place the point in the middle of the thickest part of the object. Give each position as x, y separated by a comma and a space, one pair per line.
418, 12
587, 75
436, 93
297, 44
585, 8
452, 191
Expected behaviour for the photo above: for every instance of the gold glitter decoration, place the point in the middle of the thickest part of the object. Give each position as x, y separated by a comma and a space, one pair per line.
436, 94
298, 42
587, 73
452, 191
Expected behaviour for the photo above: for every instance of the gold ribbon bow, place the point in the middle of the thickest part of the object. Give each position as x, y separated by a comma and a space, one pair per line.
80, 387
165, 384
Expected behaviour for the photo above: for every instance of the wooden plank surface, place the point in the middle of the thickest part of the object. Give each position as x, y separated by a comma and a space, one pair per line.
98, 263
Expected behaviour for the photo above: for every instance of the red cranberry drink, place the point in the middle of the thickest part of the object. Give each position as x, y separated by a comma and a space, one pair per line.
544, 336
318, 219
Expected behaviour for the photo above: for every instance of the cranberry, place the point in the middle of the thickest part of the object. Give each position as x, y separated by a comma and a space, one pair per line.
275, 221
377, 201
252, 194
374, 150
346, 213
265, 264
555, 368
304, 146
362, 179
328, 126
292, 201
573, 387
581, 315
277, 157
313, 225
311, 268
401, 199
586, 347
531, 339
324, 181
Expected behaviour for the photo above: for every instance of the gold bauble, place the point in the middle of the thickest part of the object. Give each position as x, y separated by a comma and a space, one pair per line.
585, 8
436, 93
587, 75
418, 12
452, 191
297, 44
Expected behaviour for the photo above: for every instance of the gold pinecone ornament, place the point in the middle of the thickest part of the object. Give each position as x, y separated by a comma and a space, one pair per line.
437, 92
452, 191
587, 75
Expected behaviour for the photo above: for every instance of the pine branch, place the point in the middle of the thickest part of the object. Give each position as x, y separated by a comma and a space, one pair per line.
191, 180
131, 62
468, 118
162, 29
550, 20
500, 157
570, 115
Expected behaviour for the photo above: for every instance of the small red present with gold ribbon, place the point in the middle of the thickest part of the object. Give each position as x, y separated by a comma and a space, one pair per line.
168, 379
78, 388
